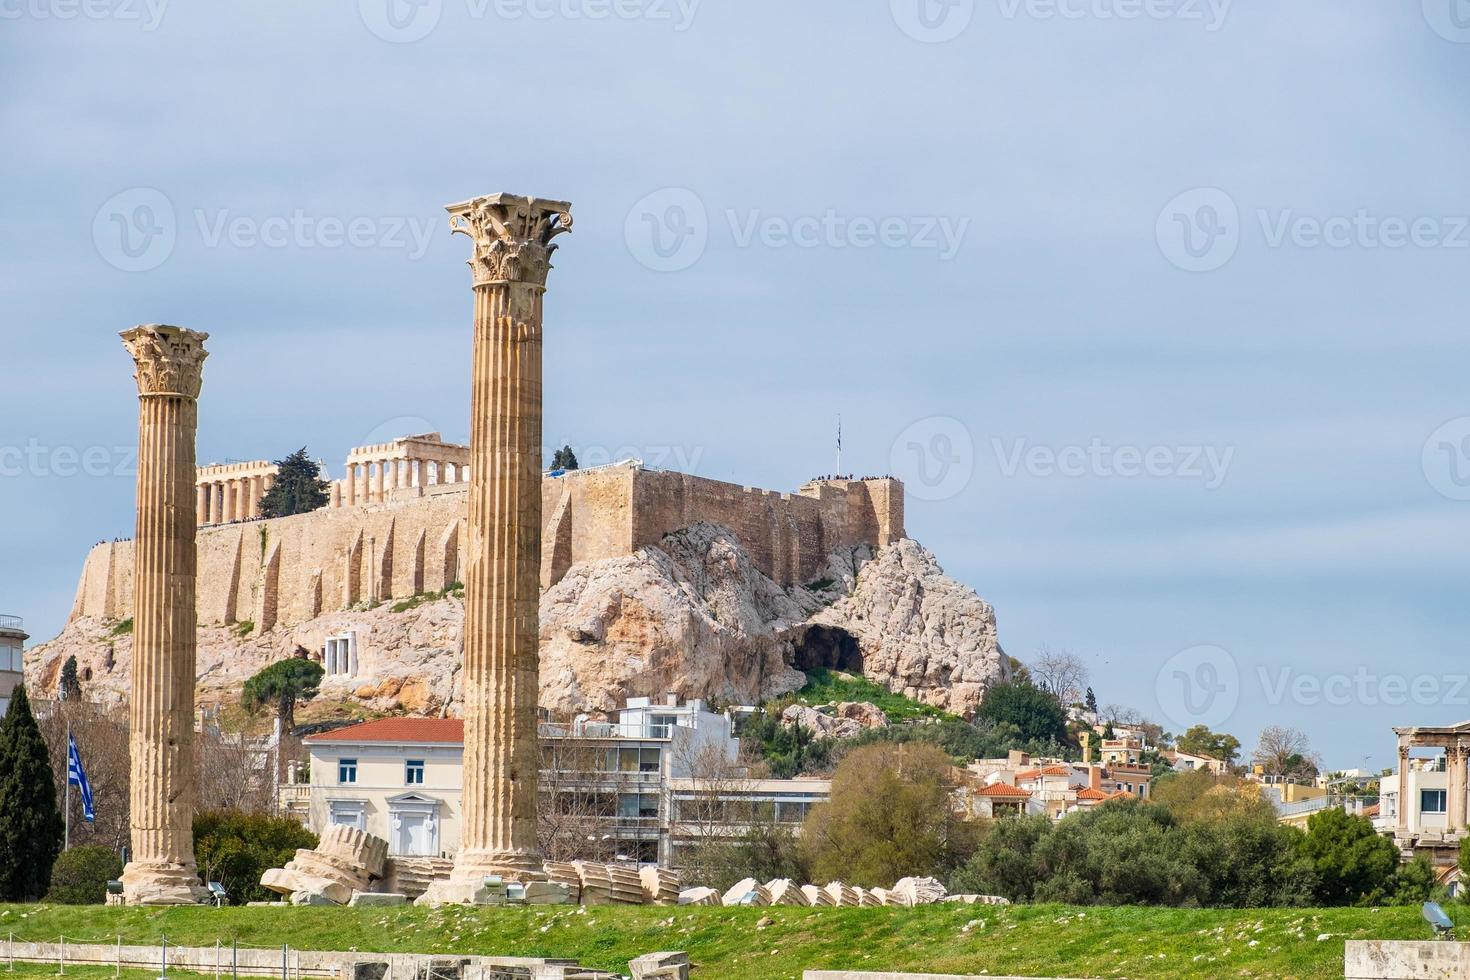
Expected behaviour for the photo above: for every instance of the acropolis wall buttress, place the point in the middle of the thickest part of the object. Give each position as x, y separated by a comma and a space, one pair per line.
292, 569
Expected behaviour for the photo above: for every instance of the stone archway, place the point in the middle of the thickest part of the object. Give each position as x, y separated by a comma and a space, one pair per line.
827, 646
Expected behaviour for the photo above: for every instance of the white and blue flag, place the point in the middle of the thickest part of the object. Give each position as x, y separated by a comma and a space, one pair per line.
77, 776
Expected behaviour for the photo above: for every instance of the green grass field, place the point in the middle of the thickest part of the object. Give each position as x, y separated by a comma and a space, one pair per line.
1041, 940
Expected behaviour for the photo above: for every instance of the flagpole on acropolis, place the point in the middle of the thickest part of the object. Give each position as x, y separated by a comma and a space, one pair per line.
66, 805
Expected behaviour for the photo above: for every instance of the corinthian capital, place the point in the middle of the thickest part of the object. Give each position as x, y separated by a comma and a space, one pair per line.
170, 360
511, 234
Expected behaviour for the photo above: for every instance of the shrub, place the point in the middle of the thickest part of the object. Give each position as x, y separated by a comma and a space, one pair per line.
1037, 714
1352, 862
80, 875
236, 848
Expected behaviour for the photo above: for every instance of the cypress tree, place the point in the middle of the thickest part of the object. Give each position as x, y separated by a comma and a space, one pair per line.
30, 821
299, 487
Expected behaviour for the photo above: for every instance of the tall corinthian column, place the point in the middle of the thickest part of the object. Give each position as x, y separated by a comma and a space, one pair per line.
512, 254
170, 363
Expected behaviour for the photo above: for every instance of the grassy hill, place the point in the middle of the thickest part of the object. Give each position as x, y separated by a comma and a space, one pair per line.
1036, 941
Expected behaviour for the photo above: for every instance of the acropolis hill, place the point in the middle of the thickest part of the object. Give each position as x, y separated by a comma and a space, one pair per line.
652, 582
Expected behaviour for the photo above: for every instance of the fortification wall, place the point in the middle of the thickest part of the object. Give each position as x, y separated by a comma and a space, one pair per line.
290, 570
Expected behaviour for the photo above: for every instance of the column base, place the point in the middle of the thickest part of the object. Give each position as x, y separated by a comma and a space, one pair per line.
523, 866
162, 884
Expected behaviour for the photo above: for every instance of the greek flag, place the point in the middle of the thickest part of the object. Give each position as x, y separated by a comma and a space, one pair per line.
77, 776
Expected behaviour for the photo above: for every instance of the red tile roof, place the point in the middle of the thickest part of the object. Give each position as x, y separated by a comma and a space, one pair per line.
1088, 793
449, 731
1044, 771
1002, 789
1122, 794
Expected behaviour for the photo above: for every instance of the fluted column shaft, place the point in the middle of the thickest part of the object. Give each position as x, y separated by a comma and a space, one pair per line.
161, 700
503, 553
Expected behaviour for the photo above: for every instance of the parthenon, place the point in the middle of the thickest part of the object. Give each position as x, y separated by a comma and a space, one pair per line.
231, 492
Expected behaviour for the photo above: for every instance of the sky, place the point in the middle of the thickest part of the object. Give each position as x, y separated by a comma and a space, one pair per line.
1157, 306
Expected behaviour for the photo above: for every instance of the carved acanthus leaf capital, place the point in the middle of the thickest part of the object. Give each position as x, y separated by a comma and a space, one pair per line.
170, 360
511, 235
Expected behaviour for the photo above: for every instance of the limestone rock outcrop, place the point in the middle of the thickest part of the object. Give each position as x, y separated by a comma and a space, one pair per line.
694, 617
920, 632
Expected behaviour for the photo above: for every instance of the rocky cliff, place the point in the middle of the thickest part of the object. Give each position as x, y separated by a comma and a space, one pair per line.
693, 616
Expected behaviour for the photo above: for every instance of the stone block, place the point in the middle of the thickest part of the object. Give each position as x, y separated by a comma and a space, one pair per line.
747, 892
565, 873
843, 896
660, 966
625, 885
869, 899
596, 883
977, 899
460, 893
354, 848
784, 891
375, 899
660, 886
919, 891
699, 896
547, 893
816, 896
287, 881
312, 898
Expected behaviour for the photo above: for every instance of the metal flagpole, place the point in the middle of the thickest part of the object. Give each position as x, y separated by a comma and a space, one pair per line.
66, 805
839, 446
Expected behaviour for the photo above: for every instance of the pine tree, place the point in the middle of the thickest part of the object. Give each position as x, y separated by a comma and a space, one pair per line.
30, 822
281, 685
71, 686
299, 487
564, 459
1091, 701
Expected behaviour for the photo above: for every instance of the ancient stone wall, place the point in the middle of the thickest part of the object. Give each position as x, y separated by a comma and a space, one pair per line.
290, 570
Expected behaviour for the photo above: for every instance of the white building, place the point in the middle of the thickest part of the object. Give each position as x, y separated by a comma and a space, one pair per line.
401, 778
12, 665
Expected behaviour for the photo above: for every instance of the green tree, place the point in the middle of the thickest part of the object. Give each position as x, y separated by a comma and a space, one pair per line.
281, 685
80, 875
890, 815
563, 459
235, 849
299, 487
1038, 715
1091, 701
1199, 740
30, 822
71, 685
1352, 862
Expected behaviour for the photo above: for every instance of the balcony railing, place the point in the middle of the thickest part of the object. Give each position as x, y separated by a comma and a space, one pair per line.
11, 623
599, 729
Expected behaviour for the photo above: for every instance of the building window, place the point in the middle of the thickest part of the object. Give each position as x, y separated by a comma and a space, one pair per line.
1432, 801
346, 770
662, 726
644, 805
413, 772
347, 813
